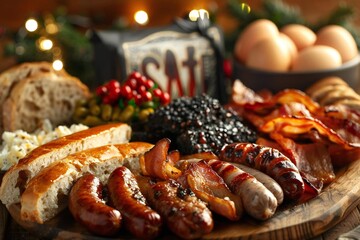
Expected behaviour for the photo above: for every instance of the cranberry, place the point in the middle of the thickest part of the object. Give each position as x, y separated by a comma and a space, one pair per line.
165, 99
142, 81
101, 91
146, 96
126, 92
136, 75
138, 99
114, 93
141, 89
132, 83
113, 84
149, 84
157, 93
107, 99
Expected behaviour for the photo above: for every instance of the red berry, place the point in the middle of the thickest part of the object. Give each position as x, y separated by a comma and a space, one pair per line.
114, 93
149, 84
132, 83
107, 99
141, 89
113, 84
142, 80
165, 99
138, 99
146, 96
157, 93
101, 90
135, 75
126, 92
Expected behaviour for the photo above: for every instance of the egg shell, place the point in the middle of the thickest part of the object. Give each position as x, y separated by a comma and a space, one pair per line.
317, 57
291, 46
339, 38
271, 54
301, 35
252, 34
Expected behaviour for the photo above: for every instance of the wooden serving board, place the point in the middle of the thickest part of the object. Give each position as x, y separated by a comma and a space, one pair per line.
298, 222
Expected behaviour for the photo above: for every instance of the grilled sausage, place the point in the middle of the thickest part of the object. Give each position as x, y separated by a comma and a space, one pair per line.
269, 161
185, 215
267, 181
89, 209
257, 200
125, 195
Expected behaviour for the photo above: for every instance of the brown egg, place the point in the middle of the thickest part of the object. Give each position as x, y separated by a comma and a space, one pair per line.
253, 33
317, 57
291, 46
339, 38
271, 54
301, 35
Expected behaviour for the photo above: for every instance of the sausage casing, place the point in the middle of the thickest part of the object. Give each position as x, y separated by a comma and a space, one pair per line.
89, 209
125, 195
185, 215
257, 200
270, 161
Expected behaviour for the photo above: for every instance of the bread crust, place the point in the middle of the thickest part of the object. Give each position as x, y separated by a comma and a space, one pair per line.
42, 96
15, 179
10, 77
40, 200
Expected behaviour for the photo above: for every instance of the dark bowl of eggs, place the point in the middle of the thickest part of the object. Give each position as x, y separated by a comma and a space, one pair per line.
266, 57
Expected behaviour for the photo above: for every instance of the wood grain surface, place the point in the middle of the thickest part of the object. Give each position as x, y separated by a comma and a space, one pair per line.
311, 220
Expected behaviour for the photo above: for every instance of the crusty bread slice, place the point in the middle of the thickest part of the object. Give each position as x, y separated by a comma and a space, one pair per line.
17, 73
47, 193
16, 178
42, 96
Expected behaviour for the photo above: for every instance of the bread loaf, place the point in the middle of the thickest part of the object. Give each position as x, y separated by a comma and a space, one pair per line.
42, 96
12, 76
47, 193
15, 179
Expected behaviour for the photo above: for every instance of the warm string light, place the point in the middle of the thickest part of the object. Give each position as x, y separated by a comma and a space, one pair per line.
198, 13
141, 17
45, 42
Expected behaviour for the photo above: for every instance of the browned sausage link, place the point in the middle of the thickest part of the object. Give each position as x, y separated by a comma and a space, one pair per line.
88, 208
265, 179
257, 200
125, 195
269, 161
185, 215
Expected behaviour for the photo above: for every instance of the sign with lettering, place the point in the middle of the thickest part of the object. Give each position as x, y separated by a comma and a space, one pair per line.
182, 63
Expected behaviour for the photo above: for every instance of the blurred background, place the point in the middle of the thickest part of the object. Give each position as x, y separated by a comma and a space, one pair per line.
125, 14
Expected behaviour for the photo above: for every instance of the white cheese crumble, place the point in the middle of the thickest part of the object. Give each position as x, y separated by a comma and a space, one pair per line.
15, 145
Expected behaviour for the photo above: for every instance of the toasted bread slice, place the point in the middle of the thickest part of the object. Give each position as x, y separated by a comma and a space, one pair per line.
42, 96
10, 77
47, 193
15, 179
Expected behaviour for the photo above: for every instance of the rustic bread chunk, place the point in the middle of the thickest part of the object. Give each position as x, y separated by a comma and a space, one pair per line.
43, 96
16, 178
15, 74
47, 193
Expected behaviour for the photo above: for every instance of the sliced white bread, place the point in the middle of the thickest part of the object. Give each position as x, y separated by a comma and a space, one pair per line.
17, 73
47, 193
42, 96
16, 178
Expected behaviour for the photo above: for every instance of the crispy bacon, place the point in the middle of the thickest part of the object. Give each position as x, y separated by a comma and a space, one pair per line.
157, 163
302, 125
211, 188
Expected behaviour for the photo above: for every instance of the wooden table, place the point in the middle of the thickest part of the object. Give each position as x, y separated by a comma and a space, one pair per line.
10, 230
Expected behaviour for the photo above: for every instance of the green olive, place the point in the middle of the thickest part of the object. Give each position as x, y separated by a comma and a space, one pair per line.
148, 104
106, 112
115, 114
145, 113
95, 110
127, 113
81, 102
81, 112
93, 101
92, 121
